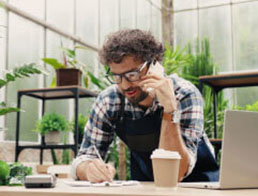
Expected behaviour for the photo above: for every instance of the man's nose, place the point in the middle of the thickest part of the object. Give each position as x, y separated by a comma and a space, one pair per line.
125, 83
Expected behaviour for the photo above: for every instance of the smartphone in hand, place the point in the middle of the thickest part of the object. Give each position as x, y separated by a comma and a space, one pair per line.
155, 68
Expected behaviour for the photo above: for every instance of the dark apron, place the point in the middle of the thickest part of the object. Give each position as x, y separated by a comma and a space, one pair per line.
142, 137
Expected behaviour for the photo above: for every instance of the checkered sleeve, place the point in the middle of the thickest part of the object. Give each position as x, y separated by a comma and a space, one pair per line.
98, 131
191, 107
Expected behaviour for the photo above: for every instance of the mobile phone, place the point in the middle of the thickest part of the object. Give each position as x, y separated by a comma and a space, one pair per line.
155, 68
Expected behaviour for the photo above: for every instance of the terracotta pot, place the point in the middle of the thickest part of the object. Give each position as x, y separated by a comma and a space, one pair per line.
68, 77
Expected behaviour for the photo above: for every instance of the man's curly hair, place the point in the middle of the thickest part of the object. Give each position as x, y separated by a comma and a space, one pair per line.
130, 42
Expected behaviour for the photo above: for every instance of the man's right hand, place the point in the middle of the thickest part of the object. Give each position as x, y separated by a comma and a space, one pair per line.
95, 171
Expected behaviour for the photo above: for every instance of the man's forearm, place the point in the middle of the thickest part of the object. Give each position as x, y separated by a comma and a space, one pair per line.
171, 139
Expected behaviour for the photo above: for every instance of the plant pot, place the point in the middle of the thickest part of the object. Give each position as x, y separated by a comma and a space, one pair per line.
52, 137
68, 77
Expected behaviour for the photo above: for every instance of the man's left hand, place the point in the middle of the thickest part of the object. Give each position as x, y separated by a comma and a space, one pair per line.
163, 89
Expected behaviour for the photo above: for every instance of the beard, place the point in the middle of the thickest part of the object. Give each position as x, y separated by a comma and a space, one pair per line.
139, 97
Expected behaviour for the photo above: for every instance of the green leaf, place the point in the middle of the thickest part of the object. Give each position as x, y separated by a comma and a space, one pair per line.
4, 111
81, 47
17, 75
24, 73
53, 62
9, 77
69, 52
2, 83
53, 82
95, 80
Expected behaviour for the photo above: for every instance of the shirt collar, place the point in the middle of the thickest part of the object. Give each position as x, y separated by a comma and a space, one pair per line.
155, 105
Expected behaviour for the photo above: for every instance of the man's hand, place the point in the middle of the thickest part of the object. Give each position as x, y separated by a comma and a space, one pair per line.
163, 88
95, 171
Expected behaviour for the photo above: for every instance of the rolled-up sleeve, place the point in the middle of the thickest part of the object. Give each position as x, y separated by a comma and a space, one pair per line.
191, 107
98, 132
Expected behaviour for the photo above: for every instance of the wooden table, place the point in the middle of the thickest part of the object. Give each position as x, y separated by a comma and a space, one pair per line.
222, 81
145, 189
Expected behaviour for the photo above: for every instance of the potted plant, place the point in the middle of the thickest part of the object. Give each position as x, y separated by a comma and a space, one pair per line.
50, 126
70, 71
82, 120
23, 71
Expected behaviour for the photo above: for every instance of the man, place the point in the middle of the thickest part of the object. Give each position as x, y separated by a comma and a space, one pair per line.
142, 108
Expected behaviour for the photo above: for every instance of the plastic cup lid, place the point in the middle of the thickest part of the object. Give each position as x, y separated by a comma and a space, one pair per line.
165, 154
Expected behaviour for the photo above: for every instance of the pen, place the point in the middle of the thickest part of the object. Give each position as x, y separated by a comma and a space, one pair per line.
97, 152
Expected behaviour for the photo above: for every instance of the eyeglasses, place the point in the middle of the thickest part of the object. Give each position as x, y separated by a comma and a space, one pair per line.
131, 76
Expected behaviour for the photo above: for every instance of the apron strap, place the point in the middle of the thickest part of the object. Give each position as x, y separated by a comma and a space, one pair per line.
119, 119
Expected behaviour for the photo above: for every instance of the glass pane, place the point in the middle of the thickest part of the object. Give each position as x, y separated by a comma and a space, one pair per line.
23, 50
246, 96
60, 14
203, 3
127, 14
156, 19
236, 1
87, 21
143, 15
185, 28
185, 4
245, 35
215, 24
3, 18
89, 59
245, 46
31, 7
3, 38
108, 18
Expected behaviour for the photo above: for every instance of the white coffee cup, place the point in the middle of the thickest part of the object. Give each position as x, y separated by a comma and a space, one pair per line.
165, 167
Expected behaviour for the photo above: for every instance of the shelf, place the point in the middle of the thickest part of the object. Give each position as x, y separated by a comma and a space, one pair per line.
63, 92
43, 94
48, 146
240, 79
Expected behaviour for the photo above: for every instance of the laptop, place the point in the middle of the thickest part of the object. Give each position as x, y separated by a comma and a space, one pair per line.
239, 157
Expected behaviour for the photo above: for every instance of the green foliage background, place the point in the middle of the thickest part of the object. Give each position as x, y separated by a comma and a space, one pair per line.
191, 65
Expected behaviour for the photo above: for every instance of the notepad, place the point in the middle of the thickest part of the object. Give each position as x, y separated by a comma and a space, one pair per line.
115, 183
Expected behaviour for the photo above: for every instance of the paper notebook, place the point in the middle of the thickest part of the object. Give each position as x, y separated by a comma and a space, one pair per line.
115, 183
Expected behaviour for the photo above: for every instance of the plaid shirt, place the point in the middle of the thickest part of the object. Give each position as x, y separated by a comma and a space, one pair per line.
99, 130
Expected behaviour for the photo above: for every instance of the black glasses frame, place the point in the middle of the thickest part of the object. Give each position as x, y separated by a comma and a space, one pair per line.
138, 71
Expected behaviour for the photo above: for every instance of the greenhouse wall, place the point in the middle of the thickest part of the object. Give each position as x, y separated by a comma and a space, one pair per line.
23, 41
230, 25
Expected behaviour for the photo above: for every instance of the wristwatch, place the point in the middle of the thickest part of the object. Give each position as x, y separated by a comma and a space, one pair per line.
174, 116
